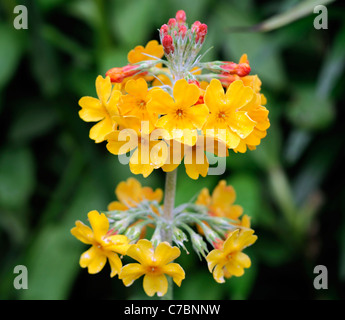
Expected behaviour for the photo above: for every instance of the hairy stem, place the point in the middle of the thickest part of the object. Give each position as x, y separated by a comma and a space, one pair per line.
168, 214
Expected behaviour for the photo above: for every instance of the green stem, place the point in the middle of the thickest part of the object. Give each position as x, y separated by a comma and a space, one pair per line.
169, 204
168, 215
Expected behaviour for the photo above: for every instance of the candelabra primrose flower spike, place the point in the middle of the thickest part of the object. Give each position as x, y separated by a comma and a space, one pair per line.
162, 112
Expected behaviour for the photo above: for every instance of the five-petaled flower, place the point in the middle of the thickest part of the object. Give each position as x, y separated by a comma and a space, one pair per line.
104, 244
101, 110
229, 260
155, 265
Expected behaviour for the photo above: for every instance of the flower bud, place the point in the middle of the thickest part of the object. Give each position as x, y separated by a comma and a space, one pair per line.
201, 33
182, 31
168, 45
117, 75
172, 22
199, 244
164, 30
181, 16
195, 26
241, 69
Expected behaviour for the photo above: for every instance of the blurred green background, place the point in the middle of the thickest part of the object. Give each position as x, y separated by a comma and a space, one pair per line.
52, 174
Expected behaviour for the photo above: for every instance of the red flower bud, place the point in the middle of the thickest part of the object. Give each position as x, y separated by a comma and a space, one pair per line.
201, 33
164, 30
181, 16
182, 31
195, 26
117, 75
168, 44
241, 69
172, 22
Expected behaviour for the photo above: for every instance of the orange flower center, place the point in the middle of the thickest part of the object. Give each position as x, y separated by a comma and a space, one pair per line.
141, 104
179, 113
222, 115
153, 270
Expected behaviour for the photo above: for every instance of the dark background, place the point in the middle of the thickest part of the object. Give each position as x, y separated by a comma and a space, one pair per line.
52, 174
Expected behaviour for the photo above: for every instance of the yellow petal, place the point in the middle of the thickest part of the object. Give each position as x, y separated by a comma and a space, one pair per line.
99, 131
121, 142
241, 124
153, 48
175, 271
129, 192
117, 243
246, 238
93, 259
92, 109
238, 95
99, 224
195, 169
155, 284
234, 269
213, 258
204, 197
115, 264
229, 244
242, 259
185, 94
218, 273
223, 195
103, 88
165, 253
142, 251
131, 272
139, 162
214, 96
197, 115
116, 205
161, 102
82, 232
137, 88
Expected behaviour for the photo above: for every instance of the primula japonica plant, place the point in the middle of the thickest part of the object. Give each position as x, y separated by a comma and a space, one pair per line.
156, 113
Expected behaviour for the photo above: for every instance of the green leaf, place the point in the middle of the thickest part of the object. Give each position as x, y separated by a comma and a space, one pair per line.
53, 257
248, 196
194, 287
310, 111
35, 120
17, 177
333, 66
299, 11
131, 20
10, 52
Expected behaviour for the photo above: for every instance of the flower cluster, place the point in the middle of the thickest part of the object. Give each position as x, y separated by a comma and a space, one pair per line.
213, 221
157, 113
164, 108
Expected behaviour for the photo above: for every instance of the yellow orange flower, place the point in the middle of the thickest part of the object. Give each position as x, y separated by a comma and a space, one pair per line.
150, 152
130, 193
229, 120
139, 53
104, 245
195, 159
134, 103
155, 265
101, 110
257, 112
221, 203
179, 114
230, 260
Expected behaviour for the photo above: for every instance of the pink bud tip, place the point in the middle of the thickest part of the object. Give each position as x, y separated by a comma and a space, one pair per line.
164, 30
181, 16
172, 22
168, 44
